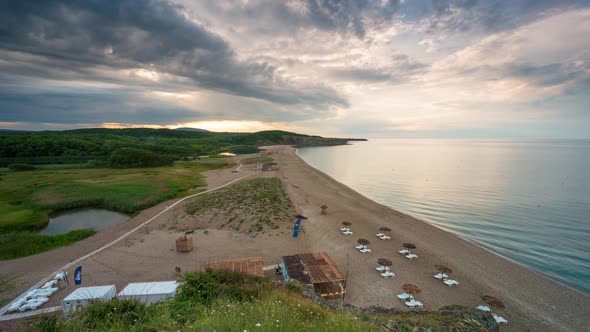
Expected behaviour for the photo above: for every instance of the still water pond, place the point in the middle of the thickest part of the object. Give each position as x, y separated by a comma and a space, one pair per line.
83, 218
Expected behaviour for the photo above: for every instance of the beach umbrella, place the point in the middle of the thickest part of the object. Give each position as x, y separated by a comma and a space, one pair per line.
346, 223
409, 246
494, 302
385, 229
324, 208
411, 289
384, 262
443, 269
364, 242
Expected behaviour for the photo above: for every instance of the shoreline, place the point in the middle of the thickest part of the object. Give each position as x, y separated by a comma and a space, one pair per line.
547, 304
474, 242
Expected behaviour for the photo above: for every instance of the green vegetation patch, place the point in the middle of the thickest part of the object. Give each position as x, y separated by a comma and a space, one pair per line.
257, 160
224, 301
251, 206
17, 245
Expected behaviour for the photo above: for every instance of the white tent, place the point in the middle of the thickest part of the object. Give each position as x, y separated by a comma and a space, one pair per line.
149, 292
83, 295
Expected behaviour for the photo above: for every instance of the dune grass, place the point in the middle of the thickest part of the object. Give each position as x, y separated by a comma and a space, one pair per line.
224, 301
253, 206
257, 160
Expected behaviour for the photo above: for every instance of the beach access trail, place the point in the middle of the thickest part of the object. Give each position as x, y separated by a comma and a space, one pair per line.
533, 302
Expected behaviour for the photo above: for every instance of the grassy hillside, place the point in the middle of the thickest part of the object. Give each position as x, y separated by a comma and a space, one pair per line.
221, 301
81, 145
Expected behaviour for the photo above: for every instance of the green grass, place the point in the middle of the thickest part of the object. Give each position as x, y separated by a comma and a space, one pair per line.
16, 245
27, 198
252, 206
222, 301
257, 160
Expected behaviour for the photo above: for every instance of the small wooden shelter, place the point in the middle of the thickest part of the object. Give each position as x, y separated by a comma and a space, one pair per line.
253, 266
316, 269
184, 244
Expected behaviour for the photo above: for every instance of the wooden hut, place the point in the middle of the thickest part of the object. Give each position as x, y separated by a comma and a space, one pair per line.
251, 266
317, 269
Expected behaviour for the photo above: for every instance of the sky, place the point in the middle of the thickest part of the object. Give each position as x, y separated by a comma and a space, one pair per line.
381, 68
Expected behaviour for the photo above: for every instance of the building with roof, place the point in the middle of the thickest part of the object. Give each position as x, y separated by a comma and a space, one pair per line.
149, 292
253, 266
84, 295
317, 269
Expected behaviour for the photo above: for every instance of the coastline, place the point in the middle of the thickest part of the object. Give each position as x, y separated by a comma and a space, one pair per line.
533, 300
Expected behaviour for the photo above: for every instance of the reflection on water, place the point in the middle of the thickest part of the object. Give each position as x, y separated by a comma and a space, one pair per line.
83, 218
527, 200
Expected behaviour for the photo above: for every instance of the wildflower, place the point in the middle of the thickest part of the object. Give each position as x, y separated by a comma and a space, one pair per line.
277, 320
258, 324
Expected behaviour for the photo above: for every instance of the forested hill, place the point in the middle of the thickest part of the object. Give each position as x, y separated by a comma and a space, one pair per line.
81, 145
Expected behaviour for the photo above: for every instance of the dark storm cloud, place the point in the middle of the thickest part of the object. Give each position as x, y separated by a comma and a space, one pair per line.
93, 107
71, 39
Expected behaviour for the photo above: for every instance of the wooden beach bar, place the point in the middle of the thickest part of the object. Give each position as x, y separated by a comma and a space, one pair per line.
317, 269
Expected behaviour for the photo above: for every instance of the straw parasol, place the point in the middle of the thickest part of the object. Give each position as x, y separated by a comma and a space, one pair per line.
346, 223
364, 242
409, 246
443, 268
384, 262
494, 302
411, 289
324, 208
385, 229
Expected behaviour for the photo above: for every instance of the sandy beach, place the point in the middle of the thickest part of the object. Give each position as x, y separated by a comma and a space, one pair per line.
533, 302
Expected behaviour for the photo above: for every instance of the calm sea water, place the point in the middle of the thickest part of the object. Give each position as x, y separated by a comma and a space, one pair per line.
526, 200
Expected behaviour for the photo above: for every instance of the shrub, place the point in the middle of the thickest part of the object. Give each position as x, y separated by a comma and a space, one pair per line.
131, 157
21, 167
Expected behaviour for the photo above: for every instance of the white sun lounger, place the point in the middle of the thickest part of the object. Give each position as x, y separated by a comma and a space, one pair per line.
500, 319
405, 252
385, 237
382, 268
404, 296
60, 276
361, 246
387, 274
451, 282
411, 256
17, 304
414, 304
344, 229
33, 304
347, 233
440, 276
49, 284
365, 250
483, 308
379, 234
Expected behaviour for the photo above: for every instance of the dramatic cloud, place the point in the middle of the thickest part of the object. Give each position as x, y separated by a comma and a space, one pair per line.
366, 68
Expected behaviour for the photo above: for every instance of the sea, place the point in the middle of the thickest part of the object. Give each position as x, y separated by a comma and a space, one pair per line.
526, 200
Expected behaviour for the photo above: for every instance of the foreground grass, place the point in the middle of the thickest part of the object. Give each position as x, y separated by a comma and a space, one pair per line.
17, 245
221, 301
252, 206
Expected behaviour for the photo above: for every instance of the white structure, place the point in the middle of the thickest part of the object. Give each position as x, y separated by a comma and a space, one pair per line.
149, 292
84, 295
